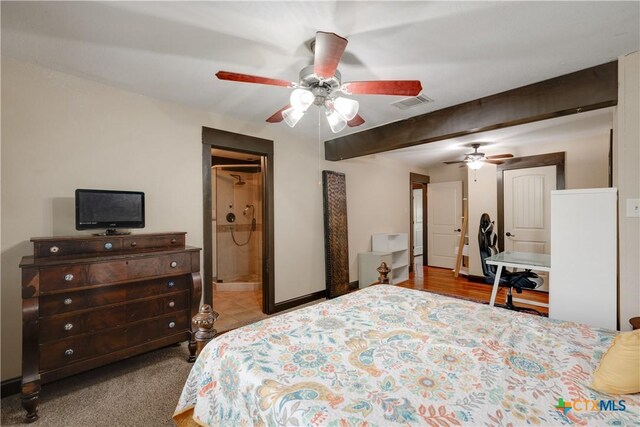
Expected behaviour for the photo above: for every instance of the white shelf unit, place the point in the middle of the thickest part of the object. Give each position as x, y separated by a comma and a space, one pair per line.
584, 257
398, 245
368, 263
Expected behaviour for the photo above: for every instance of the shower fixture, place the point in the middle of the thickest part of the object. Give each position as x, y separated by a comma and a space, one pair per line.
239, 178
244, 212
253, 224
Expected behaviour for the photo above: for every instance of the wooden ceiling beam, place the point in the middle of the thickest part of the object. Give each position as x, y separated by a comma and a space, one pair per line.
584, 90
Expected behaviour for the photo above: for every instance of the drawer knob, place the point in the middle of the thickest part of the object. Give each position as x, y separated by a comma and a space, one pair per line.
171, 283
68, 301
108, 246
172, 304
173, 241
68, 277
134, 244
68, 352
54, 249
173, 264
68, 326
172, 324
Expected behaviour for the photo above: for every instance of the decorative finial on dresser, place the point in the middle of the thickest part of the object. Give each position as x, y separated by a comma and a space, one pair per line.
204, 321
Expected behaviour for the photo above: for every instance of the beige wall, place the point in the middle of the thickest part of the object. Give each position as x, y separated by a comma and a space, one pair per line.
378, 200
61, 132
483, 198
627, 179
449, 173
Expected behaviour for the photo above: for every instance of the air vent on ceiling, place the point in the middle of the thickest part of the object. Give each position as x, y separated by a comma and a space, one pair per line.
414, 101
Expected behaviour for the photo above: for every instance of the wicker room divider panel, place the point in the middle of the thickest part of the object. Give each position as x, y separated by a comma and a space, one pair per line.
336, 242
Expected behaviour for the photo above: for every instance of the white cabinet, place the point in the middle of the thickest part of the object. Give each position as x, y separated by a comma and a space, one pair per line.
584, 256
398, 245
368, 263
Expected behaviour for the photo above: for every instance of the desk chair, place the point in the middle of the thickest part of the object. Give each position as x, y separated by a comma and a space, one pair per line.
487, 240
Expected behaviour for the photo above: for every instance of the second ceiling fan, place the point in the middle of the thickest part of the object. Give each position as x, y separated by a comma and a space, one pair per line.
321, 84
475, 160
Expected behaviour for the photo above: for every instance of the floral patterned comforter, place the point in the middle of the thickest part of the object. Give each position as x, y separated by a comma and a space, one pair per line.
391, 356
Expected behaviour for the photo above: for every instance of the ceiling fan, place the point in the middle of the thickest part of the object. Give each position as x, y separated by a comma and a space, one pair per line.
475, 160
321, 84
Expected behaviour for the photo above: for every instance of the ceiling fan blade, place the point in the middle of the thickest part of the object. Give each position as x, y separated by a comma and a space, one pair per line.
500, 156
453, 162
277, 116
247, 78
328, 49
384, 87
493, 162
356, 121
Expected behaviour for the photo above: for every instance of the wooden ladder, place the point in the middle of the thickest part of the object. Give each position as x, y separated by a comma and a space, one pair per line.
463, 233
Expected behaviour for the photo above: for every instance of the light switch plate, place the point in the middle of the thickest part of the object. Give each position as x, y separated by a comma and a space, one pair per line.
633, 207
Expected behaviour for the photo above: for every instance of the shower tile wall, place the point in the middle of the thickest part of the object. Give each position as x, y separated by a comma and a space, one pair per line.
233, 263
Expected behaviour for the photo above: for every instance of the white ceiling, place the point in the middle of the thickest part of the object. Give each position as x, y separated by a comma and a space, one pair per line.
459, 50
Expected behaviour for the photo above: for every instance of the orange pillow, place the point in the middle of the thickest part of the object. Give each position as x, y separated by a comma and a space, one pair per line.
619, 370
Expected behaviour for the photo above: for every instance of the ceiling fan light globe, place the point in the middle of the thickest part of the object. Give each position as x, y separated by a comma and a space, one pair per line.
336, 121
301, 99
348, 108
292, 116
475, 164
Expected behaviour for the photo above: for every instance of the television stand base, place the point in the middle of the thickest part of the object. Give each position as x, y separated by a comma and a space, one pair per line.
112, 232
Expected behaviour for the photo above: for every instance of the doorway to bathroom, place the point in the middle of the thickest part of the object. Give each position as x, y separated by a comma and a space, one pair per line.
237, 188
238, 227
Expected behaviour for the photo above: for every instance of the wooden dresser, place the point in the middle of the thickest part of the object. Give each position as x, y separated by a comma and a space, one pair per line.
92, 300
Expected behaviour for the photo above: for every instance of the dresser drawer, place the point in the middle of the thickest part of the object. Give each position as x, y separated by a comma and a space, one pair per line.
60, 248
153, 242
72, 301
157, 307
58, 327
177, 263
74, 276
64, 352
157, 328
149, 288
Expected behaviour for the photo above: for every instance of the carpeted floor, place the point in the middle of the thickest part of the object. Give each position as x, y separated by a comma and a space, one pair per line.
141, 391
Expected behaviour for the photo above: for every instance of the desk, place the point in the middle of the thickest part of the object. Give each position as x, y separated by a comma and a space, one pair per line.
522, 260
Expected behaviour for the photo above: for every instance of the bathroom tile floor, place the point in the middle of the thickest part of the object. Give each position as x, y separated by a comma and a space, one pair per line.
239, 308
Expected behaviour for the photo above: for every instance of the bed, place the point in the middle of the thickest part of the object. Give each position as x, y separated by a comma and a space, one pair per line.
392, 356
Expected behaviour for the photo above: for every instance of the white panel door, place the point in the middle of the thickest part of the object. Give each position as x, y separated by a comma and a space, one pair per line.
527, 210
444, 219
418, 222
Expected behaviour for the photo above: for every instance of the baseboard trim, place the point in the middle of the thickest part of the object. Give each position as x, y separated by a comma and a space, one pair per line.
294, 302
354, 285
11, 386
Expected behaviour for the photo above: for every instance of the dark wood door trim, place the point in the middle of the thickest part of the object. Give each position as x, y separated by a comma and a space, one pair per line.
550, 159
585, 90
216, 138
423, 180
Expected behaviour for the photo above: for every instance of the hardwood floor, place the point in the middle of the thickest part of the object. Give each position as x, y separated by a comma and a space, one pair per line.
238, 308
441, 280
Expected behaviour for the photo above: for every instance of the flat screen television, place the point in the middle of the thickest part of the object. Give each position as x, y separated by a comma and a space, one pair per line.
109, 209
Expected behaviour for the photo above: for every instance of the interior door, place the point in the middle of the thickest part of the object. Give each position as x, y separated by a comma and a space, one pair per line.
418, 222
527, 213
444, 219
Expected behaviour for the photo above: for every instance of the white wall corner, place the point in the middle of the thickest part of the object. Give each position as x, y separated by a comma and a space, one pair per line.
627, 178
